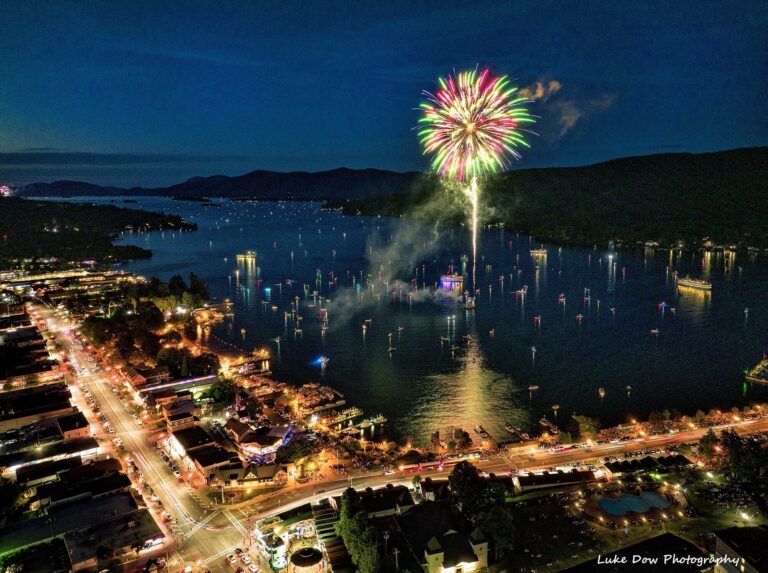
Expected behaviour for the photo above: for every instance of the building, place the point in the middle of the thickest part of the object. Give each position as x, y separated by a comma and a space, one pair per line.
81, 448
453, 552
181, 421
38, 474
20, 408
25, 357
249, 476
131, 534
388, 500
138, 376
433, 490
189, 439
73, 488
79, 515
74, 426
208, 459
28, 405
258, 443
544, 480
747, 547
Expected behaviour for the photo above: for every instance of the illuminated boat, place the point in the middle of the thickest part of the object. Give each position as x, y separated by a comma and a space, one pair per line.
452, 283
539, 252
699, 284
247, 256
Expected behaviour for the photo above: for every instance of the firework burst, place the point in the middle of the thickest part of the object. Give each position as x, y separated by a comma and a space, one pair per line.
472, 125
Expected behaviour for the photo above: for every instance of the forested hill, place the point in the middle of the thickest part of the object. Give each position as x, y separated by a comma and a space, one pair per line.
263, 185
665, 198
32, 229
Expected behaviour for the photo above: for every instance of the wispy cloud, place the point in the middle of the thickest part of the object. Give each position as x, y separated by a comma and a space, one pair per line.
541, 90
566, 107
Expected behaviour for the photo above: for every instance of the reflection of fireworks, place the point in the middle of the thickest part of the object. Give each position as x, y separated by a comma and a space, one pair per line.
471, 127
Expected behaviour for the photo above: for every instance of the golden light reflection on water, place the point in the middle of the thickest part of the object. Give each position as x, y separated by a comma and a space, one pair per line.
465, 397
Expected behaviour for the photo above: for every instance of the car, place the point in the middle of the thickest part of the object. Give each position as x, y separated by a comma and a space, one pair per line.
389, 473
238, 551
176, 474
232, 559
245, 558
253, 568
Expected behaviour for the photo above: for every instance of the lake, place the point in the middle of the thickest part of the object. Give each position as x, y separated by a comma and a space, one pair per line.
621, 323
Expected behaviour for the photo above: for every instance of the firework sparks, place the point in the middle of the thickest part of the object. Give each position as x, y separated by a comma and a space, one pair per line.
472, 125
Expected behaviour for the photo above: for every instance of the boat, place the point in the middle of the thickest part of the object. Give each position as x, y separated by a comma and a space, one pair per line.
532, 388
470, 304
517, 432
248, 256
539, 252
699, 284
655, 331
324, 360
480, 430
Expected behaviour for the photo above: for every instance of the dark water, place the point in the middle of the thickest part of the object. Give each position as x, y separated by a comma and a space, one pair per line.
697, 360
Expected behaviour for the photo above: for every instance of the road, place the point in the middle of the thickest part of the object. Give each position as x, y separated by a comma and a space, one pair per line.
201, 533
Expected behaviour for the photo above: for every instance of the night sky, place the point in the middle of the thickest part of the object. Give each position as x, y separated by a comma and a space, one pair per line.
149, 93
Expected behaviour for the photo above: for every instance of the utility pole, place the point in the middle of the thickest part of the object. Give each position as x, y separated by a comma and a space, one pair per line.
386, 539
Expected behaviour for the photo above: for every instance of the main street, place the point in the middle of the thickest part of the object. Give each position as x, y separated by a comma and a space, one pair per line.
201, 532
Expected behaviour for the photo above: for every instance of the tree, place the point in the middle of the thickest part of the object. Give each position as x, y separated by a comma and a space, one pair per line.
655, 417
198, 288
358, 536
176, 286
205, 363
9, 495
149, 315
565, 438
190, 328
747, 459
295, 450
221, 391
666, 415
707, 444
699, 416
585, 428
499, 525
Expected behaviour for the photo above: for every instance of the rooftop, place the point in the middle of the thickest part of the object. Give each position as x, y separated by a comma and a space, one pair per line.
191, 438
48, 452
751, 543
71, 422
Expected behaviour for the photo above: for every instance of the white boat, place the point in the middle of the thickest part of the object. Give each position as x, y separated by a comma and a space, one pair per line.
694, 283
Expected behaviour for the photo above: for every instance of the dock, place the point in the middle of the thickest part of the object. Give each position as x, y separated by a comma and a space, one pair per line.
759, 374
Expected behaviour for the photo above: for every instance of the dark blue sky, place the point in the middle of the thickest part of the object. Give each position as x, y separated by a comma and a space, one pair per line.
197, 88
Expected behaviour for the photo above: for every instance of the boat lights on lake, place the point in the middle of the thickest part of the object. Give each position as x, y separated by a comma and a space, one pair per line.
452, 283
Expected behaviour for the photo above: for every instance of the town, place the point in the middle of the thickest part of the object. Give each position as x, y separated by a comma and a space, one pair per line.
132, 439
